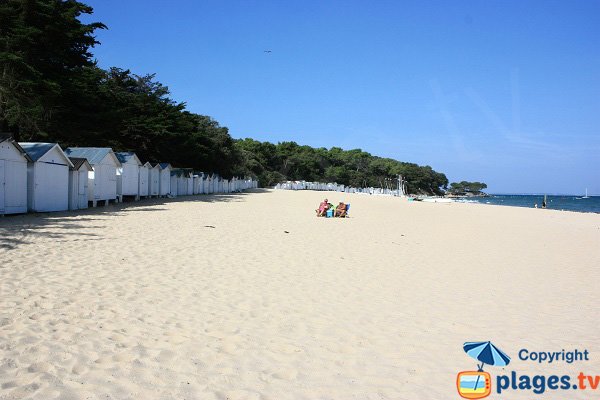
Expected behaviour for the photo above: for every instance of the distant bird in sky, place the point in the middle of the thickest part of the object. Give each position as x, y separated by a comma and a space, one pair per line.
267, 51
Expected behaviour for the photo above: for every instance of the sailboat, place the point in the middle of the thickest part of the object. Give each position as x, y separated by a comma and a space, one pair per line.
584, 197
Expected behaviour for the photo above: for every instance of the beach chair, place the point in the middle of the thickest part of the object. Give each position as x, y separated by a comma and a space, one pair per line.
347, 210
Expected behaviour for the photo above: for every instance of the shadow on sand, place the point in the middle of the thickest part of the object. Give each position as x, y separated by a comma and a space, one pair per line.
18, 230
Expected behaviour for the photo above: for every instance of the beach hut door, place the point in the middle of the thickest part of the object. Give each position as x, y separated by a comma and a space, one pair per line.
2, 186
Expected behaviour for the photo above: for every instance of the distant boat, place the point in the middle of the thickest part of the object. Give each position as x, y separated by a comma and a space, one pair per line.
584, 197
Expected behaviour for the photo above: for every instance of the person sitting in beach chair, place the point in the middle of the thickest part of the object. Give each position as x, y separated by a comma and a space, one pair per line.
323, 207
340, 210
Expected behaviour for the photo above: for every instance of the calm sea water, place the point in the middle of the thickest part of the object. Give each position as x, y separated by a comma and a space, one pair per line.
566, 203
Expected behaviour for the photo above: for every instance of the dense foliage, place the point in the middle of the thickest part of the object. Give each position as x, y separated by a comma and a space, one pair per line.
288, 160
52, 90
464, 187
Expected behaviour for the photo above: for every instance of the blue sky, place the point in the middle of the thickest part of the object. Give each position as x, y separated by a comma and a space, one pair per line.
505, 92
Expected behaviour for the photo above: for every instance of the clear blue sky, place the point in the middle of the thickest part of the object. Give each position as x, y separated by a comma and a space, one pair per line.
505, 92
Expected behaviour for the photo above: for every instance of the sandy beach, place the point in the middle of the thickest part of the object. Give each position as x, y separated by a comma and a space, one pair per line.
249, 296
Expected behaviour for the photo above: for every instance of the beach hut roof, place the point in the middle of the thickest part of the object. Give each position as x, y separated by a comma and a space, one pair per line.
93, 154
125, 156
79, 162
164, 165
176, 172
148, 164
7, 138
37, 150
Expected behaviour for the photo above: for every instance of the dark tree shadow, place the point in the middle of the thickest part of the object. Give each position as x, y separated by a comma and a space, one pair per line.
18, 230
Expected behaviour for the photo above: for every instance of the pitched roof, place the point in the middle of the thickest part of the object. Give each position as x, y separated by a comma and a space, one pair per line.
78, 162
187, 172
4, 137
164, 165
125, 156
93, 154
36, 150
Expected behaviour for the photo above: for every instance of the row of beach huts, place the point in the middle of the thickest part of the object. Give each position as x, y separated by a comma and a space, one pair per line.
335, 187
42, 177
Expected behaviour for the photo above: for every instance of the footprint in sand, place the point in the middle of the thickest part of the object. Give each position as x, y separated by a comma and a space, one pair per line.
286, 374
39, 367
79, 369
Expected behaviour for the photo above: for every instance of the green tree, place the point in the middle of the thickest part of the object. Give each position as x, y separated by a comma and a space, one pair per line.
44, 51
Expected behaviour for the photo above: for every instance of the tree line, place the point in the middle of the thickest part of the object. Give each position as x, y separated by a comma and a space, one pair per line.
51, 89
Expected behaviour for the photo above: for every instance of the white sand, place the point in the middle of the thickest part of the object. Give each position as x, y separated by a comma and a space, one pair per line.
145, 302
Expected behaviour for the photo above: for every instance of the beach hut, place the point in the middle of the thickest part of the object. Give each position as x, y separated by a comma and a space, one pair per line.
207, 184
47, 177
153, 180
144, 181
215, 183
164, 179
13, 177
200, 182
189, 179
102, 181
128, 175
197, 183
78, 183
180, 181
174, 188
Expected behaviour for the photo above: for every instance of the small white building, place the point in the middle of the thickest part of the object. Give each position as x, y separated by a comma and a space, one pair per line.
208, 184
197, 184
175, 174
102, 181
47, 177
189, 180
128, 175
181, 181
78, 183
164, 179
203, 189
215, 183
144, 182
153, 180
13, 177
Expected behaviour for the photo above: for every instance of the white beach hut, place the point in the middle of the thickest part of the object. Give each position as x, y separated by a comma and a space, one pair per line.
78, 183
102, 181
153, 180
204, 184
208, 184
128, 175
174, 188
47, 177
164, 179
13, 177
225, 186
144, 182
181, 181
197, 183
215, 183
189, 179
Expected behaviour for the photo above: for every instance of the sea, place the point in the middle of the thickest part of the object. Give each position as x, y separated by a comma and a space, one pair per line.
554, 202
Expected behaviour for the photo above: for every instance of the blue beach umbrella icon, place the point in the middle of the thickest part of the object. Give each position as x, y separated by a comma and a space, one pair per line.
487, 353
